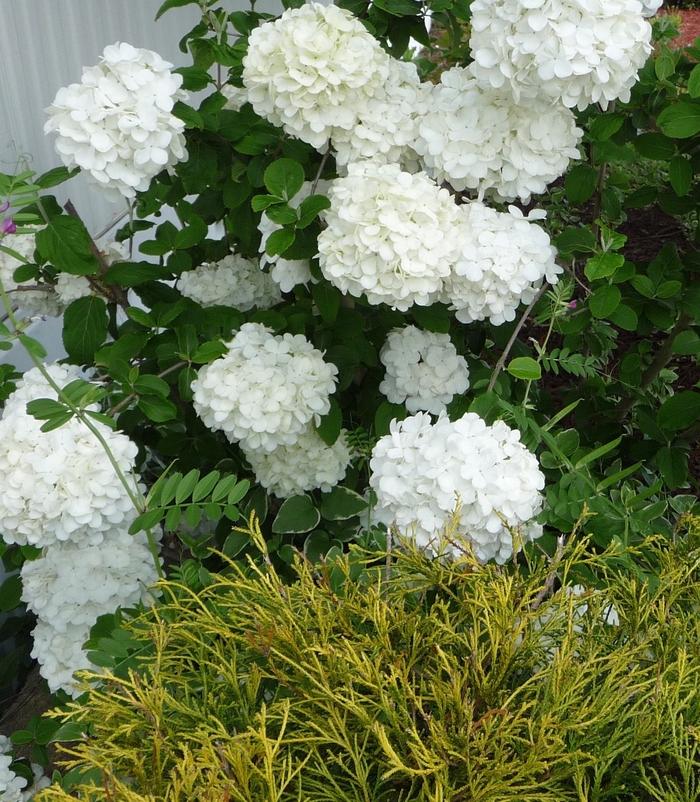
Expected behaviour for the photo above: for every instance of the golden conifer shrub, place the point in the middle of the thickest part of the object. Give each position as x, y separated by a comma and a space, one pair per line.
407, 679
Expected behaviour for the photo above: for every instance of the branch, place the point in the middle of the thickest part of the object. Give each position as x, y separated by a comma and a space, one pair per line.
117, 408
513, 337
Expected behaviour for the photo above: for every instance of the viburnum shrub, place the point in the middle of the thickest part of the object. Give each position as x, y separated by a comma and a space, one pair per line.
431, 262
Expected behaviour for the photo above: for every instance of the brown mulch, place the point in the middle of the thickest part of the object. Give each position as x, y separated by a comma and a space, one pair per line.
690, 27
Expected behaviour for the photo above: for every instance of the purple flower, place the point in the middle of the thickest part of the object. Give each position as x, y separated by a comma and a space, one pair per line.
7, 226
572, 304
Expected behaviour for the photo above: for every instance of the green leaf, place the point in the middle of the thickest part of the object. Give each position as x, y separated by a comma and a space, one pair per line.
655, 146
673, 464
310, 208
605, 126
152, 385
261, 202
191, 118
56, 421
168, 4
316, 545
205, 486
34, 347
385, 414
694, 82
330, 425
435, 318
296, 515
192, 235
399, 8
131, 274
580, 183
625, 317
604, 301
84, 328
235, 543
208, 352
575, 240
284, 178
146, 520
680, 173
186, 485
665, 64
10, 593
680, 120
679, 411
224, 487
603, 265
341, 503
526, 368
238, 492
53, 178
687, 343
65, 242
327, 300
597, 453
45, 408
279, 241
157, 409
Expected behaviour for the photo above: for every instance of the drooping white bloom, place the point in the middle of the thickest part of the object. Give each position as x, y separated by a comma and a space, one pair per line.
387, 124
288, 273
423, 370
69, 287
236, 97
505, 258
233, 281
13, 787
308, 464
266, 390
73, 585
312, 70
424, 473
117, 123
60, 654
576, 51
479, 138
60, 485
389, 234
650, 7
31, 298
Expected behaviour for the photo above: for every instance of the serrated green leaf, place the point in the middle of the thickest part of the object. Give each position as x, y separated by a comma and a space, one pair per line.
680, 120
84, 328
679, 412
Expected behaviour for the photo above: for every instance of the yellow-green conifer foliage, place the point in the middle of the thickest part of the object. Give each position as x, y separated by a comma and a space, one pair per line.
423, 680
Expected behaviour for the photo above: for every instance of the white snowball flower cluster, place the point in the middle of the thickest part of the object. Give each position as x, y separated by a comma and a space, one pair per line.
13, 787
70, 586
266, 390
233, 281
59, 485
33, 385
478, 138
387, 125
288, 273
117, 123
308, 464
40, 300
389, 234
312, 70
505, 258
575, 51
423, 369
422, 473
